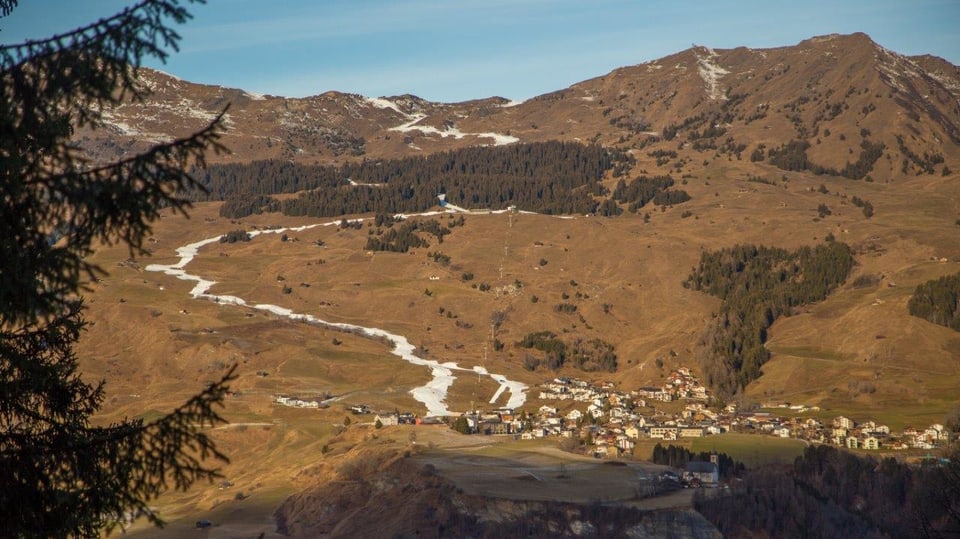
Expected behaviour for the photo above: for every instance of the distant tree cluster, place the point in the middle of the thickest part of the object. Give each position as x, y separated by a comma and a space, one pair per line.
549, 177
670, 197
790, 156
554, 349
938, 301
793, 156
869, 154
404, 237
384, 219
593, 355
234, 236
865, 205
832, 493
439, 257
643, 189
758, 285
911, 159
587, 355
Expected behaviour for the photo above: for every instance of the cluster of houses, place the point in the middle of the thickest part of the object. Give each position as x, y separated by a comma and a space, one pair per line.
846, 432
612, 421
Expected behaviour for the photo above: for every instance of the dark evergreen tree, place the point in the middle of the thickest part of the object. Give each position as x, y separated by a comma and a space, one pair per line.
59, 475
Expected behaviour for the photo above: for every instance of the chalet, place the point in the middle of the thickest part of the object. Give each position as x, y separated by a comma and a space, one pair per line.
690, 432
871, 442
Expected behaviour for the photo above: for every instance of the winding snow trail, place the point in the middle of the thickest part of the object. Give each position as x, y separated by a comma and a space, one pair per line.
499, 139
433, 394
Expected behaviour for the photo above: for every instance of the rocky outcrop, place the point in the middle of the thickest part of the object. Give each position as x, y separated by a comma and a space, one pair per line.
382, 494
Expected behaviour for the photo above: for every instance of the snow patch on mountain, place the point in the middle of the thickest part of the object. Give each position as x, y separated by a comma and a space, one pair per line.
114, 124
711, 72
450, 131
894, 69
382, 103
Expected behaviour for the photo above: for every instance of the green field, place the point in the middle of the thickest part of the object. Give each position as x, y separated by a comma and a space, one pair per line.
751, 449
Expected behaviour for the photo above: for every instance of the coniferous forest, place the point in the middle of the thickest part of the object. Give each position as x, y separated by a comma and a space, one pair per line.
758, 285
830, 493
938, 301
548, 177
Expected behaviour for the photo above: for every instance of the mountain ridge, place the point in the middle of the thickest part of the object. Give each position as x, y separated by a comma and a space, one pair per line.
841, 84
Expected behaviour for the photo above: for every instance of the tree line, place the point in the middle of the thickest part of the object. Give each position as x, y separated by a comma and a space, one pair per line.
757, 286
833, 493
938, 301
549, 177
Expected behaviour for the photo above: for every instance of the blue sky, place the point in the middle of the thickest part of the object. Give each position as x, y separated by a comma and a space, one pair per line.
453, 50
